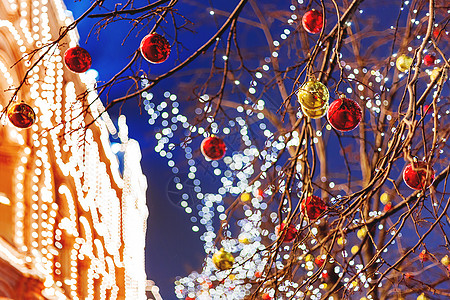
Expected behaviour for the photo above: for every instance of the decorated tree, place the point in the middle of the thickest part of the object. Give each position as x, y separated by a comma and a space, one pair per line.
320, 133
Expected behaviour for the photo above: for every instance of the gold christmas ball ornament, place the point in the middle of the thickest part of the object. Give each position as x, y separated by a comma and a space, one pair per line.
309, 257
246, 197
445, 261
341, 241
315, 114
313, 95
403, 63
384, 198
362, 233
223, 260
422, 297
435, 73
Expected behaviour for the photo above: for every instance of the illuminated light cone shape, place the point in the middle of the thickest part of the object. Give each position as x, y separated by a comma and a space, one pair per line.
223, 260
415, 175
312, 21
313, 207
316, 113
77, 59
403, 63
21, 115
291, 232
213, 148
313, 95
155, 48
344, 114
429, 60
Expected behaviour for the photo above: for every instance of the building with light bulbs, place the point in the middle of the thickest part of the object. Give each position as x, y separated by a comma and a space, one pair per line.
72, 223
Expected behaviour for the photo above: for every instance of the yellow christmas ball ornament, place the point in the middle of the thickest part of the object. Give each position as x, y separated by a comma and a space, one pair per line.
309, 257
362, 233
435, 73
246, 197
422, 297
384, 198
341, 241
313, 95
316, 113
354, 249
403, 63
244, 238
223, 260
445, 261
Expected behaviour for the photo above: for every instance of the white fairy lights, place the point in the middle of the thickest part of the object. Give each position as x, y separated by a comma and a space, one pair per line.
234, 172
78, 222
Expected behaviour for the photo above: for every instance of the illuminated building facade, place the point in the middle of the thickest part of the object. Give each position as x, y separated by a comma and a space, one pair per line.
72, 223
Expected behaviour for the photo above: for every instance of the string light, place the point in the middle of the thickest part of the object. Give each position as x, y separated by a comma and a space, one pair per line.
82, 170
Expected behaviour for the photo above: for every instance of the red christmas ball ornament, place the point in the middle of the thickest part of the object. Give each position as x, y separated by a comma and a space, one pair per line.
429, 59
424, 256
266, 296
436, 32
319, 261
313, 21
418, 175
427, 109
258, 274
313, 207
77, 59
213, 148
291, 232
259, 193
21, 115
387, 207
344, 114
155, 48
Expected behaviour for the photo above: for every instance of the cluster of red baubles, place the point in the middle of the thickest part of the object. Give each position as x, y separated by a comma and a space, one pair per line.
154, 48
312, 207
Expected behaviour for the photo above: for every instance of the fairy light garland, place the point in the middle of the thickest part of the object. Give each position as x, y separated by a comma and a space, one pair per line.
235, 170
